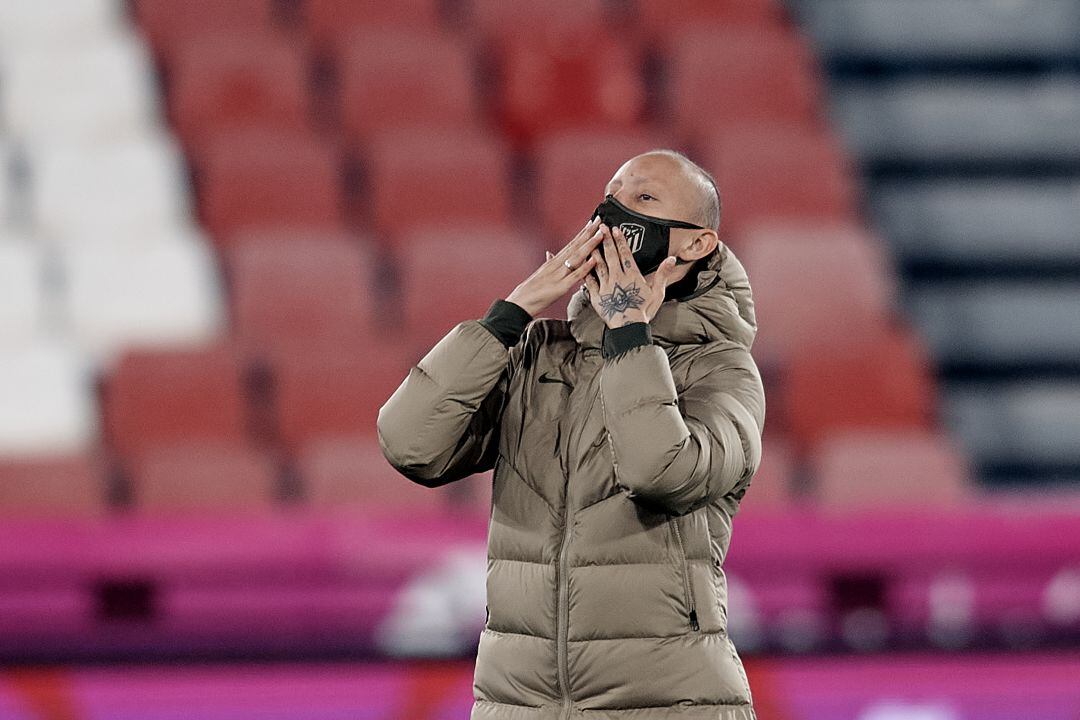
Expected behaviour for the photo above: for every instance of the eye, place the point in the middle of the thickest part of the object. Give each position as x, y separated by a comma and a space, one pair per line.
645, 196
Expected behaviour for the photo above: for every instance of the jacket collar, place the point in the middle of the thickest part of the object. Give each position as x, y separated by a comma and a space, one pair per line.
720, 307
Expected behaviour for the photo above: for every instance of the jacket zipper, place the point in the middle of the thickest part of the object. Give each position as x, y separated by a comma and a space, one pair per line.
688, 588
564, 609
563, 620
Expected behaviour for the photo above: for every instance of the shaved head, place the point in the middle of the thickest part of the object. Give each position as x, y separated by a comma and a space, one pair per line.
681, 189
664, 183
708, 195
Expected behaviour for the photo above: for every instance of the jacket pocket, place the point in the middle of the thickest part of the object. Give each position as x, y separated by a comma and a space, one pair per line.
684, 572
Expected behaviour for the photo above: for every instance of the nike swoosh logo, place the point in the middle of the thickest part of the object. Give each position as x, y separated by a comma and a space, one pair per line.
545, 378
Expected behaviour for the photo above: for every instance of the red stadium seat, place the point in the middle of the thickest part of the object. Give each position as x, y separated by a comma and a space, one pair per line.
163, 397
572, 169
741, 77
565, 70
331, 21
668, 19
170, 24
395, 79
772, 488
203, 477
767, 172
299, 291
816, 286
262, 179
454, 274
885, 384
472, 495
864, 469
333, 392
548, 86
438, 178
351, 472
64, 486
222, 84
551, 18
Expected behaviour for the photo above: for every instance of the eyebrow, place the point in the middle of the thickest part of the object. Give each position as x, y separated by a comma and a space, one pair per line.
639, 185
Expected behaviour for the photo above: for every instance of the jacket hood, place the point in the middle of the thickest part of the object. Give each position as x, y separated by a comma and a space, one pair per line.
720, 307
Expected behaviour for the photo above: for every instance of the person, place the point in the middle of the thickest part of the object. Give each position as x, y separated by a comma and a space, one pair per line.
623, 440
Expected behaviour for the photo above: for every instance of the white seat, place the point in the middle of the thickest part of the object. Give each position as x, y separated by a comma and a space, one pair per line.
21, 292
46, 399
5, 182
899, 31
1002, 323
14, 199
934, 121
88, 92
968, 221
56, 22
120, 191
160, 294
1011, 424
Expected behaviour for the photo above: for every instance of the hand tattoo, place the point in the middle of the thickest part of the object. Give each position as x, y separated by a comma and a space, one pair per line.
620, 300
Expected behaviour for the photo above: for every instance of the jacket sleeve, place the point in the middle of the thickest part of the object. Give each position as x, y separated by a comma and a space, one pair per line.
442, 422
681, 452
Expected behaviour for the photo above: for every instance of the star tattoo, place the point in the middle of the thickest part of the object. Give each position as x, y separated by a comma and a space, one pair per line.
621, 299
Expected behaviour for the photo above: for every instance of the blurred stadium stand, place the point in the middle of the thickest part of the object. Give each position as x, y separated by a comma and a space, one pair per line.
965, 117
229, 228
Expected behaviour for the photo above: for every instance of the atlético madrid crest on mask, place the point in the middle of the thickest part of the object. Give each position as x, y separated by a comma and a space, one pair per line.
633, 234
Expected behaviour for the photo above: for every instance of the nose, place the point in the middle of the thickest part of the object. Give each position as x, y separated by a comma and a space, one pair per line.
628, 199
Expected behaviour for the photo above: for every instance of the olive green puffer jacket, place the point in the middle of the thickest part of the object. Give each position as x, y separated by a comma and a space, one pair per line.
616, 478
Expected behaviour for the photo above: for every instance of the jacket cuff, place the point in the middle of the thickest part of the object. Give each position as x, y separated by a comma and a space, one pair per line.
629, 336
507, 321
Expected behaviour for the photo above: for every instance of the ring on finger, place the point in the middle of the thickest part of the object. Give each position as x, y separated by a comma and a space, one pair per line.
567, 264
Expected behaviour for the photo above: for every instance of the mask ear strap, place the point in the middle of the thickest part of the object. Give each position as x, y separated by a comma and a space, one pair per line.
679, 224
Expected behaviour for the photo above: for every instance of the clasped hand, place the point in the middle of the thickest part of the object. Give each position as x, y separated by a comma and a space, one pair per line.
622, 295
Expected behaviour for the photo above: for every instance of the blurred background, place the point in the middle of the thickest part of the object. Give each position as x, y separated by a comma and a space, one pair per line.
229, 227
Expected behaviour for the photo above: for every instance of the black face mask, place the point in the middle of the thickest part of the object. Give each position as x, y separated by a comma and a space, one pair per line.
647, 236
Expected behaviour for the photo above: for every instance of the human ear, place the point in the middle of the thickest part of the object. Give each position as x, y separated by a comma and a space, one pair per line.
703, 243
